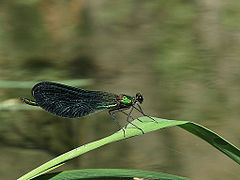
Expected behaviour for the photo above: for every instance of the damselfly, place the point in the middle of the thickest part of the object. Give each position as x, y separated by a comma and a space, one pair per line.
70, 102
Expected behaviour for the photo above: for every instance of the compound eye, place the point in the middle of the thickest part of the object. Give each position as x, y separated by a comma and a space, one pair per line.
139, 97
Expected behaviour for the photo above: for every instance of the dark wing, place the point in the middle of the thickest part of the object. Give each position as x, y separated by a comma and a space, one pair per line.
71, 102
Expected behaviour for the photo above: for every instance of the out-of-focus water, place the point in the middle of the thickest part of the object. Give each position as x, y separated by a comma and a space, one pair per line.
182, 56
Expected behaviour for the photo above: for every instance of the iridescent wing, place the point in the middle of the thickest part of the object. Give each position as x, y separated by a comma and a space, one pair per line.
71, 102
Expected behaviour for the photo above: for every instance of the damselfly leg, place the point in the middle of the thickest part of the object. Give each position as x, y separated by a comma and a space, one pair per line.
112, 112
141, 111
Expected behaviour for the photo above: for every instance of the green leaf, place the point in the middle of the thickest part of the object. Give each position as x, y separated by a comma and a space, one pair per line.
214, 139
147, 125
107, 174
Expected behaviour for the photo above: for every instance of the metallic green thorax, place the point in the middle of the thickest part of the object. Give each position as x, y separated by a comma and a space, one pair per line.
116, 102
126, 101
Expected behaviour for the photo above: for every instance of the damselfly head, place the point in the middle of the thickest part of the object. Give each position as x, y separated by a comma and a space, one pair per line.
139, 98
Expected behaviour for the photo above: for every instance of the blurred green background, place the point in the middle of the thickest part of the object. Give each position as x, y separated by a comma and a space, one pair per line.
182, 55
